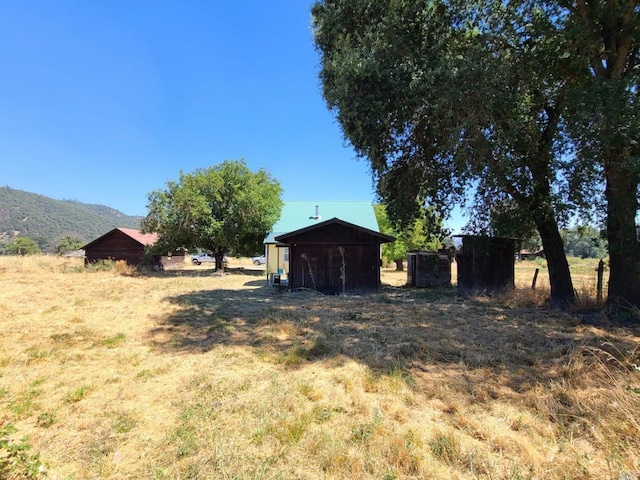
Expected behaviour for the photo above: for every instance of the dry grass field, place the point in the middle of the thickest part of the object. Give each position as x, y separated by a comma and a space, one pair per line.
188, 375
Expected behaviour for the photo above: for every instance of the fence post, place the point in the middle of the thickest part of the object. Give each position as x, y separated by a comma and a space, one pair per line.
600, 275
535, 279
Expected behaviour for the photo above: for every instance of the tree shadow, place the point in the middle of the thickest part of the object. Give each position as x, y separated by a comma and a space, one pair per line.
399, 328
205, 272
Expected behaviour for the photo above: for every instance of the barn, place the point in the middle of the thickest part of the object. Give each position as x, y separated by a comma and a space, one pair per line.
120, 244
334, 256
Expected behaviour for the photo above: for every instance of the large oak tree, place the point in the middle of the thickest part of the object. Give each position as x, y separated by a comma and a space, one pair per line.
222, 209
604, 118
532, 104
445, 99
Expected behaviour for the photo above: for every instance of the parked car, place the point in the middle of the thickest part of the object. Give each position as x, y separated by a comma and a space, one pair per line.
206, 258
261, 260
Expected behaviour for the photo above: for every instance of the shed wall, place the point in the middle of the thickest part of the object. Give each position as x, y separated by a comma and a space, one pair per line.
485, 265
428, 269
321, 268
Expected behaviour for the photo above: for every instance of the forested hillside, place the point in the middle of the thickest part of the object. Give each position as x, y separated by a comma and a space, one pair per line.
47, 220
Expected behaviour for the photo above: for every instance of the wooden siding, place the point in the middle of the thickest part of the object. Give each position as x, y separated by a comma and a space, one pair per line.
428, 269
115, 246
485, 265
333, 257
319, 267
335, 234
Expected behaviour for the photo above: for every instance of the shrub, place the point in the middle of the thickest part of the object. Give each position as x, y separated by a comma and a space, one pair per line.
15, 459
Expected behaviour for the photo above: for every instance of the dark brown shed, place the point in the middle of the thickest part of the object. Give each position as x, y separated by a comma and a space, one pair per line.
485, 264
428, 269
120, 244
334, 257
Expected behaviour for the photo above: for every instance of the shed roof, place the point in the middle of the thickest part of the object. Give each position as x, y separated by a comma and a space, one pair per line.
142, 238
374, 233
299, 215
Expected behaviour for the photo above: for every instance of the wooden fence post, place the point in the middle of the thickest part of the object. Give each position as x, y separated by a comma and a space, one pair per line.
535, 279
600, 276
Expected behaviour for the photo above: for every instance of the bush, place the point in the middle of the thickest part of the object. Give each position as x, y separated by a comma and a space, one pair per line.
15, 459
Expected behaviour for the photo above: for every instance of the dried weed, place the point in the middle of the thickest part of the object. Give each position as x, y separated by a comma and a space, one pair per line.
182, 374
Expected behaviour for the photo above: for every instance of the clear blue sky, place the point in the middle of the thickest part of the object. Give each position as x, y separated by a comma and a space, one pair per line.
104, 101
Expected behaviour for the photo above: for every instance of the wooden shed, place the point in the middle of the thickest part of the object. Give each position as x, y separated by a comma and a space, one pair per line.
120, 244
485, 264
428, 269
334, 257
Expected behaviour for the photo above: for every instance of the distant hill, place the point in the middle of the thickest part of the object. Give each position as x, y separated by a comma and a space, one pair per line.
47, 220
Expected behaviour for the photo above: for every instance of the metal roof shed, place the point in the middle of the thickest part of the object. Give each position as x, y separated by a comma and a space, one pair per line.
334, 257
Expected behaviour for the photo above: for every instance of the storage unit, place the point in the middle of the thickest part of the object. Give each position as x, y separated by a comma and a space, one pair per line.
334, 257
428, 269
485, 264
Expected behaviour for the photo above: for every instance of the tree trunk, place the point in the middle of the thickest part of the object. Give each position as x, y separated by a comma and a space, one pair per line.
218, 254
399, 265
624, 248
562, 293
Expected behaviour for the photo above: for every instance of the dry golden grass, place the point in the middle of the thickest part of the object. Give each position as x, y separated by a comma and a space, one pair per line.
186, 374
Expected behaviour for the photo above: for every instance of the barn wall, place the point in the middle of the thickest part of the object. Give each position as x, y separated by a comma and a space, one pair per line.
116, 246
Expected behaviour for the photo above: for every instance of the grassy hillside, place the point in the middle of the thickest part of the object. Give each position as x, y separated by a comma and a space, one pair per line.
184, 374
47, 220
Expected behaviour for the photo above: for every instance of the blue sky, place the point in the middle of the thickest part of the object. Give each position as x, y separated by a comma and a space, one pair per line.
104, 101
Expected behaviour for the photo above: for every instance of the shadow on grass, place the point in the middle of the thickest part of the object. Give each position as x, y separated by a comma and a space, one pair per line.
206, 272
399, 328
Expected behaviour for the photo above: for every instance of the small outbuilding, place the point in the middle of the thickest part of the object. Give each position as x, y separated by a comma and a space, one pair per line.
485, 264
120, 244
428, 269
333, 257
298, 215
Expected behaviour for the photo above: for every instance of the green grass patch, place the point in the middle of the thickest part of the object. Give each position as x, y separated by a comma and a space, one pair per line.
74, 396
112, 341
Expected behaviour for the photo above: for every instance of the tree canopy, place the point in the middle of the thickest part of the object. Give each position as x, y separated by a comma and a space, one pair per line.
584, 242
222, 209
425, 233
22, 246
445, 99
68, 243
491, 100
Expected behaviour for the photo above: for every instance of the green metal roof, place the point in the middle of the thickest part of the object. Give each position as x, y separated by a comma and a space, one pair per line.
297, 215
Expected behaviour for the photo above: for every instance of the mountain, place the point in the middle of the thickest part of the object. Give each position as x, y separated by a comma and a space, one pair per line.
47, 220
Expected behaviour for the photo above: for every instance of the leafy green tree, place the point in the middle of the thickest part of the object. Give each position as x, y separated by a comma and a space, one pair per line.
22, 246
449, 98
584, 242
603, 38
222, 209
67, 244
424, 234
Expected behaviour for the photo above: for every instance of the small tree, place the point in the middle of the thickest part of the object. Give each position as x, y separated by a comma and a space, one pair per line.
68, 244
424, 233
22, 246
222, 209
584, 242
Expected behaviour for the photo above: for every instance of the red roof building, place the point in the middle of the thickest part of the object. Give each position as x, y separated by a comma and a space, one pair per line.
120, 244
